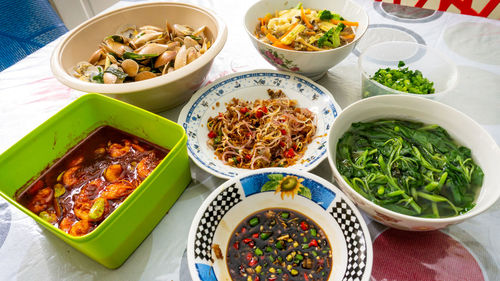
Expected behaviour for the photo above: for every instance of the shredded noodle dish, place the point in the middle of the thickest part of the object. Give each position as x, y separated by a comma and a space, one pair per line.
263, 133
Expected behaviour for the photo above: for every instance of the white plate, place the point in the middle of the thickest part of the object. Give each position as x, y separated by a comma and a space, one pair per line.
250, 86
316, 198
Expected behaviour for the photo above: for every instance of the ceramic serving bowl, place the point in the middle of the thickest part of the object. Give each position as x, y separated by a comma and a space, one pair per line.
244, 195
114, 240
461, 128
433, 65
155, 94
311, 64
210, 101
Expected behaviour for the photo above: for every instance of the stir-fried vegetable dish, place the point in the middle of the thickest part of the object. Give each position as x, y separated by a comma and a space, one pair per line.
262, 133
409, 167
279, 244
140, 53
86, 185
304, 29
404, 80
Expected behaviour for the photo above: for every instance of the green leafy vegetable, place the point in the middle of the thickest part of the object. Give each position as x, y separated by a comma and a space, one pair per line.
409, 168
116, 72
134, 56
195, 37
332, 37
98, 77
404, 80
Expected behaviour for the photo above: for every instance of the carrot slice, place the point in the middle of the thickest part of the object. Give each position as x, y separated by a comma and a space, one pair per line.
271, 37
281, 45
347, 37
303, 16
276, 42
288, 31
349, 23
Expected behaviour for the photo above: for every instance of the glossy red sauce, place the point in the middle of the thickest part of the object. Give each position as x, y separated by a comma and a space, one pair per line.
88, 183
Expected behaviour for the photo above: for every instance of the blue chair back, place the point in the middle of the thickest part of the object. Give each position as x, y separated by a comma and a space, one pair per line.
26, 26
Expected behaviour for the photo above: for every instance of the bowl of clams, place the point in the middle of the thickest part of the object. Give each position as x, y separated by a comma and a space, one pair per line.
152, 55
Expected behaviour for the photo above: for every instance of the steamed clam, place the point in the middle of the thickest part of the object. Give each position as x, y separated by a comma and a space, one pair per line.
139, 53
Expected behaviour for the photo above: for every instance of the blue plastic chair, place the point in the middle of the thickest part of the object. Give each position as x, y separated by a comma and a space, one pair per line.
26, 26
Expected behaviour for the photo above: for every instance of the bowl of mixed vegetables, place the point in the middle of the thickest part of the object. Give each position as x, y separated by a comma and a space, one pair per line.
405, 68
306, 37
412, 163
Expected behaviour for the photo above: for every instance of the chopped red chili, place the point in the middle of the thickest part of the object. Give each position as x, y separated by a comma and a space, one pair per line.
313, 243
304, 226
289, 153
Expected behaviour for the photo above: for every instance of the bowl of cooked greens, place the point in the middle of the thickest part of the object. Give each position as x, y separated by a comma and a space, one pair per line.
152, 55
412, 163
307, 37
405, 68
278, 224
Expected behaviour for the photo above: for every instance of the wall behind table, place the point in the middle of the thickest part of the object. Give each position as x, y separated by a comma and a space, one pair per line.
481, 8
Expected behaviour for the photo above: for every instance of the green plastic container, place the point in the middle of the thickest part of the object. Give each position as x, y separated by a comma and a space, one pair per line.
112, 242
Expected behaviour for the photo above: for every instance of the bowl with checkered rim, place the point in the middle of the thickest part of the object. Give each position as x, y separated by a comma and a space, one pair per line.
251, 85
321, 201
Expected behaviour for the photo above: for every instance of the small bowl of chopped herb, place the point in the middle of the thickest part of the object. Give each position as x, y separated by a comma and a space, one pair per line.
406, 68
413, 163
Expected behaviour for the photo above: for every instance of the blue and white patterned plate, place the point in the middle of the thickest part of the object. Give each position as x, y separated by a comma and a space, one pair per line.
252, 85
314, 197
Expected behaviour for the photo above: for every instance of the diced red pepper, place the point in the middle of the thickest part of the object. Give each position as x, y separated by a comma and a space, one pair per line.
243, 230
289, 153
251, 244
271, 278
253, 261
248, 156
212, 134
294, 146
236, 245
220, 114
249, 256
247, 240
259, 114
257, 278
264, 109
305, 277
243, 110
313, 243
283, 131
282, 144
304, 226
255, 235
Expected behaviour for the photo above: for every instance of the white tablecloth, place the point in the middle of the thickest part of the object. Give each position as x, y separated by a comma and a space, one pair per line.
29, 95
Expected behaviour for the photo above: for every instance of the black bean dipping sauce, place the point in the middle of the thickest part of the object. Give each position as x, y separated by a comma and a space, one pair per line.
279, 244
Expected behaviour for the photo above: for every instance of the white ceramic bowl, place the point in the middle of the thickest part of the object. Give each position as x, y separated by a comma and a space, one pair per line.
242, 196
311, 64
464, 130
249, 86
155, 94
433, 65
